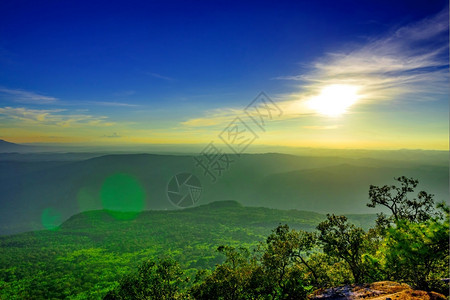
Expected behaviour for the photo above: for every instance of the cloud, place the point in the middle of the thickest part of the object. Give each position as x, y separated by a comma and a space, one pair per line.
222, 116
22, 96
318, 127
114, 135
27, 97
410, 61
124, 93
51, 117
108, 103
159, 76
213, 118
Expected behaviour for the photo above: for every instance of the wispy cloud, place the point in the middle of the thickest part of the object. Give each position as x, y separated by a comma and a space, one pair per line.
27, 97
319, 127
113, 136
124, 93
222, 116
412, 60
213, 118
51, 117
109, 103
21, 96
159, 76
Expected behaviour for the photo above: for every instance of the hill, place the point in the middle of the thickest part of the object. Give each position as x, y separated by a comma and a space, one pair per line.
342, 188
29, 189
91, 250
7, 147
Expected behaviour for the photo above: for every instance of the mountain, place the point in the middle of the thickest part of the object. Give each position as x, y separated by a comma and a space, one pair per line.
7, 147
344, 187
84, 257
31, 189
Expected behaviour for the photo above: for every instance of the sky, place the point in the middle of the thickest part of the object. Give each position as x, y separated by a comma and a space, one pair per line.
341, 74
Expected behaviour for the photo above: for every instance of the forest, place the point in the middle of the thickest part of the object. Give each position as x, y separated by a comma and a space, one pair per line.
408, 245
225, 251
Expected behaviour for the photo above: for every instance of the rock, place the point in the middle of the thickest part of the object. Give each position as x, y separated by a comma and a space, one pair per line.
383, 290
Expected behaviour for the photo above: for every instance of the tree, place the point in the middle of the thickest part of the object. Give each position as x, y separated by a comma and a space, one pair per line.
414, 237
283, 250
287, 246
229, 280
274, 271
163, 280
418, 253
396, 200
331, 271
345, 241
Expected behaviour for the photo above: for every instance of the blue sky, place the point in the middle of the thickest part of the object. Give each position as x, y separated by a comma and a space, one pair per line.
163, 71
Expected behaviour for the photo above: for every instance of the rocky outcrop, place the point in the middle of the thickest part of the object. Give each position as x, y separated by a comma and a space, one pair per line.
383, 290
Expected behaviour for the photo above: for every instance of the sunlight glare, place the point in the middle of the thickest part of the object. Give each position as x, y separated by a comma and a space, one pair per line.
334, 100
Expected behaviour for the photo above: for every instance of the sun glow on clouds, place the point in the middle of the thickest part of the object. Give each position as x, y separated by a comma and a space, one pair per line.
334, 100
407, 65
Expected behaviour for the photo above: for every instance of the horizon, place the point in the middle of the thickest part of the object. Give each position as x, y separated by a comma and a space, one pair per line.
193, 149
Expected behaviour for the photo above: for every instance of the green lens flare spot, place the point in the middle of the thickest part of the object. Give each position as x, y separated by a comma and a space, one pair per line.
87, 199
122, 196
51, 219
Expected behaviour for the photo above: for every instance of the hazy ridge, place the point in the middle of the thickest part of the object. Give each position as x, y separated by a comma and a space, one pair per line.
320, 184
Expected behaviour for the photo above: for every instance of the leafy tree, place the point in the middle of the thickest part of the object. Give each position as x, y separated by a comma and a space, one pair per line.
331, 271
163, 280
418, 253
284, 264
274, 272
345, 241
229, 280
395, 198
284, 248
415, 237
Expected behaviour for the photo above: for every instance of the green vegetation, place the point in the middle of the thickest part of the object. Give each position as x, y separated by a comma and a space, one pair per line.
225, 251
89, 253
164, 280
410, 245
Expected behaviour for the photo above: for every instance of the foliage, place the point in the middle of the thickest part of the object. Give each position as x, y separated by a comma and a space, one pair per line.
418, 253
396, 200
294, 245
414, 240
331, 271
91, 256
292, 263
163, 280
229, 280
345, 241
271, 273
279, 259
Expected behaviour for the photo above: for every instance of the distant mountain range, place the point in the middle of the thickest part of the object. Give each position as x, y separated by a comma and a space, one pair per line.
28, 189
7, 147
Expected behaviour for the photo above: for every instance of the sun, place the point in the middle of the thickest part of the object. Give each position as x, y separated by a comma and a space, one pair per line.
334, 100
